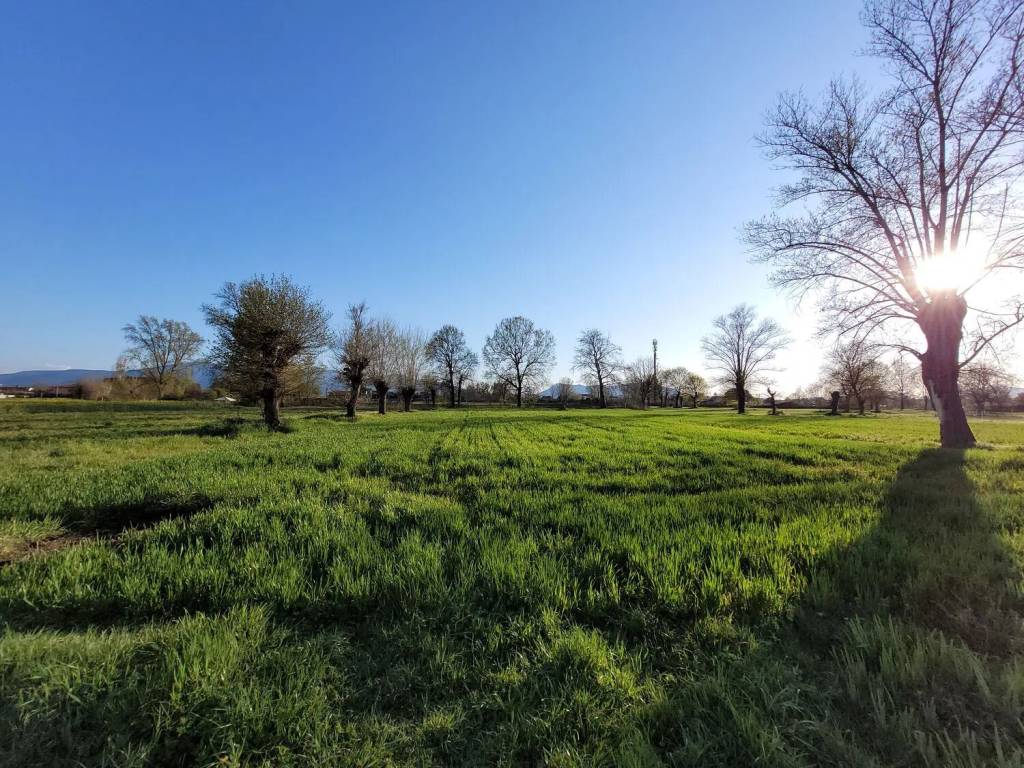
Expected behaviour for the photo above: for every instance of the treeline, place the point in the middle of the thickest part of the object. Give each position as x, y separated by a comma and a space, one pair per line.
271, 336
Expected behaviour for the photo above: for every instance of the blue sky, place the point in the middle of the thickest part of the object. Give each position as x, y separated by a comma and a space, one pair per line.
584, 164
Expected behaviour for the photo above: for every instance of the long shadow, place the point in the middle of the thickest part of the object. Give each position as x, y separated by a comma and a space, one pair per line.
916, 625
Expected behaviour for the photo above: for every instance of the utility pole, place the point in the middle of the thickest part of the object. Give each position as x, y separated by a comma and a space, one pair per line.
654, 344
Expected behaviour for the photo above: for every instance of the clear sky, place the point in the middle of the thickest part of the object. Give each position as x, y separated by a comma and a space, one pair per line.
581, 163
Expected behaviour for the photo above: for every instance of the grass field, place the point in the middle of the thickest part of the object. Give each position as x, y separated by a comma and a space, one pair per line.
627, 588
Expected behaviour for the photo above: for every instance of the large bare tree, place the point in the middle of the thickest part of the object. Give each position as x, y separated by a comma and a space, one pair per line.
742, 349
353, 354
447, 350
599, 359
911, 195
519, 354
263, 327
161, 348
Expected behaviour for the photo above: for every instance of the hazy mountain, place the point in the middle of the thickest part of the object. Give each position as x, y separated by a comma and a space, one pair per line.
202, 374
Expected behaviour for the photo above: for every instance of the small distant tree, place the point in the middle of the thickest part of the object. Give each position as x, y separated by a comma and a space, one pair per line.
987, 385
465, 366
772, 392
640, 380
903, 375
565, 392
263, 326
161, 348
411, 355
673, 381
447, 350
742, 349
519, 354
694, 387
430, 385
383, 368
599, 359
353, 354
855, 367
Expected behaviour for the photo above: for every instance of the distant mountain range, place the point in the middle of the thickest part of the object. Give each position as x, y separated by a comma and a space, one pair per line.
202, 374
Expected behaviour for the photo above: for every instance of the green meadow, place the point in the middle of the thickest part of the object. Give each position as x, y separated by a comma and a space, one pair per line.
492, 587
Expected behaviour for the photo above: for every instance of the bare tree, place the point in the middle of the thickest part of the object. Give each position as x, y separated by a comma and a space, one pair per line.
353, 354
694, 387
160, 348
672, 381
742, 350
902, 375
855, 367
383, 368
641, 380
430, 385
465, 367
262, 327
519, 354
772, 392
411, 358
565, 392
600, 360
447, 350
987, 385
911, 187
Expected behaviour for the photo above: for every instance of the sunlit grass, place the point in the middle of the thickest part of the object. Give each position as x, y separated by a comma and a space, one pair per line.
571, 588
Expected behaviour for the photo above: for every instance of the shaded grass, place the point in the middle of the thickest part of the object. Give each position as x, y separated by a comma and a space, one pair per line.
617, 588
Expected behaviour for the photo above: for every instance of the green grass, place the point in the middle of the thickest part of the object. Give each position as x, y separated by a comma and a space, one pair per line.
499, 588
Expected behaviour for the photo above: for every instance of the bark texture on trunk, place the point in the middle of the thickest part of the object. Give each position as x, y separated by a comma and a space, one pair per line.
382, 396
451, 390
741, 397
941, 322
835, 404
271, 408
519, 396
600, 393
353, 396
407, 395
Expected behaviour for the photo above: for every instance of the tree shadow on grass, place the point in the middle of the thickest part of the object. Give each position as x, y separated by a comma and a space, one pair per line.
918, 628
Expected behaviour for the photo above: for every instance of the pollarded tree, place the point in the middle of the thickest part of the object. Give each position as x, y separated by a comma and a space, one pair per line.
742, 350
912, 195
161, 348
383, 368
599, 359
353, 354
447, 350
263, 326
411, 354
519, 354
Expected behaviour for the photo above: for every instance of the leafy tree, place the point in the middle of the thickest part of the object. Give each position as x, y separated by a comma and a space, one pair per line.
263, 326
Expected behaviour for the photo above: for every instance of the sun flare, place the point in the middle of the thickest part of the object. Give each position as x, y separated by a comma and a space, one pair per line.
952, 271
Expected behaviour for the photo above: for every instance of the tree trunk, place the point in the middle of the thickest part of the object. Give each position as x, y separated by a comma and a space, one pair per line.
271, 408
407, 395
382, 396
694, 401
519, 396
903, 400
353, 396
600, 393
741, 397
451, 389
835, 404
942, 324
860, 405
